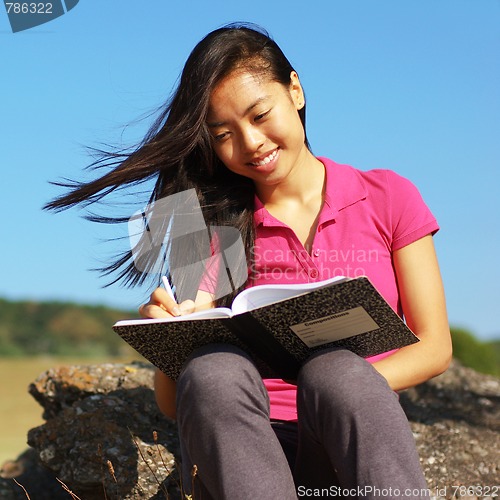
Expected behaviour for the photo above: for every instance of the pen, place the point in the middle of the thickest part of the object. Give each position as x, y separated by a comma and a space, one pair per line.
168, 288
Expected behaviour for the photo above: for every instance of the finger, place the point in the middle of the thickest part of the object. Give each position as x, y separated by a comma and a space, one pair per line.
186, 307
161, 298
153, 311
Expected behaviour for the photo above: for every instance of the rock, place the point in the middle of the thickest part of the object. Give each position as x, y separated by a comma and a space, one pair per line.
31, 475
58, 389
456, 422
104, 437
103, 431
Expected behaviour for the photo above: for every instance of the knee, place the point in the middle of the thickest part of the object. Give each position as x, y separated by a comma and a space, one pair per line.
212, 368
214, 378
339, 365
340, 378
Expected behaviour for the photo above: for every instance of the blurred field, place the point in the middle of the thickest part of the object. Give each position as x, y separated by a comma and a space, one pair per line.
19, 412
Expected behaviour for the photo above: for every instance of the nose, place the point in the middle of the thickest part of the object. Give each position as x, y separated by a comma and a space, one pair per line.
251, 139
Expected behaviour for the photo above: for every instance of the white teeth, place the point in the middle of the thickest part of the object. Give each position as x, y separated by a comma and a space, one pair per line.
267, 159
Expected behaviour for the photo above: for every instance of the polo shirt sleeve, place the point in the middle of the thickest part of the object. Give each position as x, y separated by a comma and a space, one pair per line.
411, 218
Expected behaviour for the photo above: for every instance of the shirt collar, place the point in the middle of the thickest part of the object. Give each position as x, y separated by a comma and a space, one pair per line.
262, 216
344, 187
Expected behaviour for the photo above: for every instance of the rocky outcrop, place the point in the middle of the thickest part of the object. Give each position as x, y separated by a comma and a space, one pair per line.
456, 422
104, 438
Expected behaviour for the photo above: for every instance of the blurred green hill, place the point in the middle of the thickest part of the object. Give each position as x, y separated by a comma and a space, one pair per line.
63, 329
483, 356
56, 328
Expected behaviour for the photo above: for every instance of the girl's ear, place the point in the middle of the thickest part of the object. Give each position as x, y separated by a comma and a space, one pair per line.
296, 92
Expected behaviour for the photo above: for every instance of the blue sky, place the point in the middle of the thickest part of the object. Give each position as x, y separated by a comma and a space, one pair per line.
402, 84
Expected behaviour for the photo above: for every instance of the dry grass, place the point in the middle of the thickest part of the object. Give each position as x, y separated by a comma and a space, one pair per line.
109, 469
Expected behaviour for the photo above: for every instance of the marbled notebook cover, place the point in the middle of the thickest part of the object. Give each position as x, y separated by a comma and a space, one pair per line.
265, 333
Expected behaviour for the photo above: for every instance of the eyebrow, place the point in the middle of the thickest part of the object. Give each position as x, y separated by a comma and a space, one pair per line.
252, 106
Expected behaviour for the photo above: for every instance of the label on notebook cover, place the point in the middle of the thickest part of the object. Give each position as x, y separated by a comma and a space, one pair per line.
335, 327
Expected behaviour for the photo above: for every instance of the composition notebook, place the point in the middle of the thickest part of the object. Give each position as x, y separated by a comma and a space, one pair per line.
279, 326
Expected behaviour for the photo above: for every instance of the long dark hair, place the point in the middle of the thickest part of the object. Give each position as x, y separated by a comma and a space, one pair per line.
177, 151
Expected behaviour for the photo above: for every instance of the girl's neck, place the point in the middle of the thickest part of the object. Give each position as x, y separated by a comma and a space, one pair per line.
298, 203
304, 183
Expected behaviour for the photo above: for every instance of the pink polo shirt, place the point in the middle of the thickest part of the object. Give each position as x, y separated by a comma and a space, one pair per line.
365, 217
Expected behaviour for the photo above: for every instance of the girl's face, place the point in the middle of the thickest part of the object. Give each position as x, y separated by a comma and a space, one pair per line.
256, 128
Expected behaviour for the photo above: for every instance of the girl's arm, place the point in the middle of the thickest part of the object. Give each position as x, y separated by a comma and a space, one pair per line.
423, 301
161, 305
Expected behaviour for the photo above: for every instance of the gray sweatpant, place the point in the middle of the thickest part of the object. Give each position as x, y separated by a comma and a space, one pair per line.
353, 438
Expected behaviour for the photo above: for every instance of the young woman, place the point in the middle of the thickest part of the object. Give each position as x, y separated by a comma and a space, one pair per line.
235, 131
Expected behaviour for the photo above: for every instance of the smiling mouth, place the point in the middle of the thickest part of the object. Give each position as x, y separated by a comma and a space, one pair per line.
268, 159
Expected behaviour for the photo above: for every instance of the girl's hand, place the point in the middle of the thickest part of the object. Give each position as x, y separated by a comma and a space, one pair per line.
161, 305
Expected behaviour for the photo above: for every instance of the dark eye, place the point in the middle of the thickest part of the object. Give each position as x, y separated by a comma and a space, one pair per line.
220, 137
260, 116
